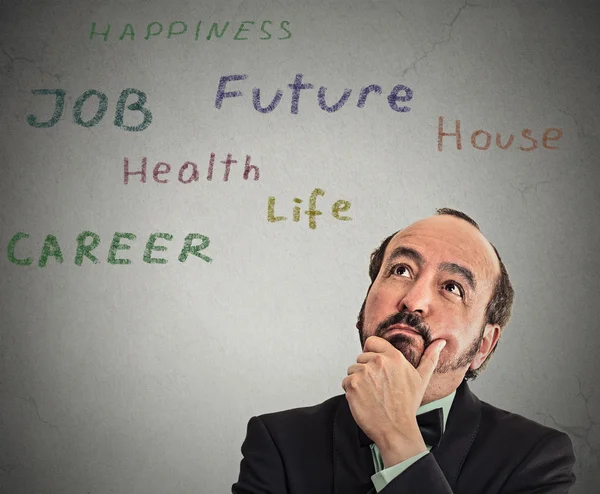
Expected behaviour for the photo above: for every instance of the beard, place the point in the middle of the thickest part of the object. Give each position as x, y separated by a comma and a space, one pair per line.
406, 344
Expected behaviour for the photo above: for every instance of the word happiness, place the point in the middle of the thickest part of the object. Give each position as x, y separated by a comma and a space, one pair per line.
239, 31
87, 241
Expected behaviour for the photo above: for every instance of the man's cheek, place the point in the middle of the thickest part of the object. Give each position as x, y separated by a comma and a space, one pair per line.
378, 308
449, 350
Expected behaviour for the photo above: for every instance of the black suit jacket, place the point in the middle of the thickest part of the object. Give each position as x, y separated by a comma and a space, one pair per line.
484, 450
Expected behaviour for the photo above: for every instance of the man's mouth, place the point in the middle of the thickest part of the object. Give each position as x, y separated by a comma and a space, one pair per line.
400, 328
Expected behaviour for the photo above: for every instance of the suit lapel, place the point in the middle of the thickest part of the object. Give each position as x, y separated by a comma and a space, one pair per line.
461, 428
353, 463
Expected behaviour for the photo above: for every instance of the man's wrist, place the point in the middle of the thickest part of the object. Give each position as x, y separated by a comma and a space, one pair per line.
396, 447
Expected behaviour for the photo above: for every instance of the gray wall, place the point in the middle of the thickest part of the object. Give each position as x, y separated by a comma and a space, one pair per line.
141, 377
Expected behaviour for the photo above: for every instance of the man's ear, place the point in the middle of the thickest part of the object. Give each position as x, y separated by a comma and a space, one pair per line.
491, 335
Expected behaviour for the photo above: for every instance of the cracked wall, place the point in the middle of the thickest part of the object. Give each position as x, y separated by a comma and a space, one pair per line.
142, 378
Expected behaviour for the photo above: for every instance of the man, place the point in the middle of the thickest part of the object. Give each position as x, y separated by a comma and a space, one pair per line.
439, 299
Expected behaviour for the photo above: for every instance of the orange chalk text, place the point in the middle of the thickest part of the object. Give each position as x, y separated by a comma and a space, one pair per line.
451, 135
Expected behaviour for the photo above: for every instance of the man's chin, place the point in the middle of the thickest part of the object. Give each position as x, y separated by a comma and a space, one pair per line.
407, 347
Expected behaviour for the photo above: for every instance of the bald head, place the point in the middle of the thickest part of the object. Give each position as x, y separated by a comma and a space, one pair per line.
455, 239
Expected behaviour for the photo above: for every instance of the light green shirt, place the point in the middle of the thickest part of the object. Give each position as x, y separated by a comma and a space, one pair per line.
383, 476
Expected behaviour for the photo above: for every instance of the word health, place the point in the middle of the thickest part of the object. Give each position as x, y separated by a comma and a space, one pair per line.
482, 139
339, 206
100, 109
399, 93
87, 241
188, 172
238, 31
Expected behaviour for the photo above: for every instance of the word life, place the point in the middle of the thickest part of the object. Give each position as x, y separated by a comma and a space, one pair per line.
339, 206
87, 241
240, 31
483, 143
101, 108
188, 172
398, 93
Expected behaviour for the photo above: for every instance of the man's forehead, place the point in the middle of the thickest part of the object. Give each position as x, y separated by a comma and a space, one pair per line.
451, 239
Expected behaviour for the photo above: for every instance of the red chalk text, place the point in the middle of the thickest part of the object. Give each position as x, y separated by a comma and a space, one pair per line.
189, 171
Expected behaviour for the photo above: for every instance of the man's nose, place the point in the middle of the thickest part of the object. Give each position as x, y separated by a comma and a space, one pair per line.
418, 298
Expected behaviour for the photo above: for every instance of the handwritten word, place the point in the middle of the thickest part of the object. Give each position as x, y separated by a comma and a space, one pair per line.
483, 143
178, 28
188, 172
312, 212
59, 109
88, 241
398, 93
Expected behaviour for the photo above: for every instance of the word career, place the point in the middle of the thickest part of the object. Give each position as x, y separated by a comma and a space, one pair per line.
88, 241
482, 139
399, 93
239, 31
188, 172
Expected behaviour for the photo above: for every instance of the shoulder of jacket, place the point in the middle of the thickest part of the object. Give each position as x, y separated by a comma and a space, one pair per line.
307, 414
514, 425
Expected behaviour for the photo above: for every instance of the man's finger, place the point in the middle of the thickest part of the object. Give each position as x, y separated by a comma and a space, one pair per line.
430, 359
377, 344
344, 383
355, 368
365, 357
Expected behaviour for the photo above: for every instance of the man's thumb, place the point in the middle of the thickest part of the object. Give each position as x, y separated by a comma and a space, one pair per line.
430, 358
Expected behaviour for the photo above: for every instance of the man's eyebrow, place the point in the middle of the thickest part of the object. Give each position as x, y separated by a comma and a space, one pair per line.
466, 273
407, 252
451, 267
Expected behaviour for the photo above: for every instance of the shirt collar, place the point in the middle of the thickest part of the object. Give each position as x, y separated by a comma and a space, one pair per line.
444, 403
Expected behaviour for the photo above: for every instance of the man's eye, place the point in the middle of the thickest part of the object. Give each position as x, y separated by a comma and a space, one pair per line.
401, 270
454, 288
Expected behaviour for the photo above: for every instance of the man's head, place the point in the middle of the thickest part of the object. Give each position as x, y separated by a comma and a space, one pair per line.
438, 278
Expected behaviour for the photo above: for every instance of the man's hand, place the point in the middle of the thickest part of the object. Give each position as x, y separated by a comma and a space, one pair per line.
384, 392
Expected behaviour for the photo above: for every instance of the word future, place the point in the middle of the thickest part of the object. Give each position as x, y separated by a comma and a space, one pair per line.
312, 212
399, 93
482, 139
88, 241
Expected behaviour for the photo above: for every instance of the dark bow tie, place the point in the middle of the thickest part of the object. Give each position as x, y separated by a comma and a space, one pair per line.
430, 424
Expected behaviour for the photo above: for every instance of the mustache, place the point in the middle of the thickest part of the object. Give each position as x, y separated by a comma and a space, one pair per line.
410, 319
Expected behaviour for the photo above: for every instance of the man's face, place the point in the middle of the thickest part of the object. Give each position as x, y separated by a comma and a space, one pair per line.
435, 281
